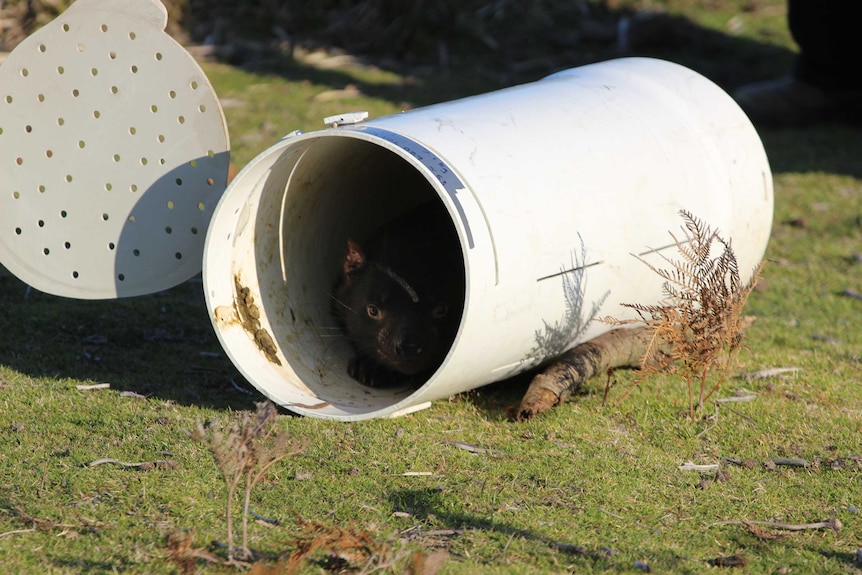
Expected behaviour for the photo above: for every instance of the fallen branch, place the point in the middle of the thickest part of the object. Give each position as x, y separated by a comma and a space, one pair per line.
556, 384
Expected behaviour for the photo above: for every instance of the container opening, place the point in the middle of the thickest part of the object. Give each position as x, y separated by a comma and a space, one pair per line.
316, 197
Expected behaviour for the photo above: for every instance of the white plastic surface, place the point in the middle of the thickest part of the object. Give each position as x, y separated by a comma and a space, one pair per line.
552, 186
113, 154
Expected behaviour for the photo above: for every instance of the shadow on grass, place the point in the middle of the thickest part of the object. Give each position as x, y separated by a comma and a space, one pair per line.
161, 345
427, 504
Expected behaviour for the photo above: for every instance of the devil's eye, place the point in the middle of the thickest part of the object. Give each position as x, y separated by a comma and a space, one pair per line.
440, 310
373, 311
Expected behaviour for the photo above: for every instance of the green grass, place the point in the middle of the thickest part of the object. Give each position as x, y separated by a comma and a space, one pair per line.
602, 477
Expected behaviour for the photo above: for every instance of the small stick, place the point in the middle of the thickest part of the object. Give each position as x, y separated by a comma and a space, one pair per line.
735, 399
472, 448
770, 372
93, 387
143, 466
688, 466
16, 532
834, 524
791, 461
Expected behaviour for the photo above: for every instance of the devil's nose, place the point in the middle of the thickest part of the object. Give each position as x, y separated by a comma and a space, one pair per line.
408, 348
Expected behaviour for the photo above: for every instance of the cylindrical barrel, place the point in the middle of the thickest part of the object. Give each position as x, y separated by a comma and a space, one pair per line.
552, 188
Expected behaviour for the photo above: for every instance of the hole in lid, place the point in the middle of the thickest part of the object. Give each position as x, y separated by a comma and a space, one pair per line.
19, 161
134, 69
8, 99
40, 97
178, 255
194, 231
18, 231
111, 246
97, 114
75, 93
170, 205
60, 121
69, 178
103, 27
41, 223
194, 85
116, 157
162, 161
81, 144
143, 161
108, 187
169, 230
193, 163
94, 71
132, 36
49, 154
158, 56
172, 94
60, 69
112, 55
202, 108
65, 27
25, 72
132, 219
42, 48
41, 188
80, 47
28, 128
63, 213
136, 252
201, 206
154, 108
133, 188
210, 153
181, 119
133, 130
16, 194
67, 245
105, 217
179, 181
46, 251
121, 277
114, 89
161, 138
75, 275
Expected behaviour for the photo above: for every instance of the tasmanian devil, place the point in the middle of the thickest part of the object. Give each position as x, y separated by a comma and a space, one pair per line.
400, 297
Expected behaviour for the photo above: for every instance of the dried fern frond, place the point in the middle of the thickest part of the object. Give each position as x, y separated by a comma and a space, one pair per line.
697, 327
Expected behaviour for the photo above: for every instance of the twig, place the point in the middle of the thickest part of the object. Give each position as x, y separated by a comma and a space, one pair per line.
735, 399
142, 466
93, 387
834, 524
742, 415
472, 448
770, 372
791, 462
16, 532
688, 466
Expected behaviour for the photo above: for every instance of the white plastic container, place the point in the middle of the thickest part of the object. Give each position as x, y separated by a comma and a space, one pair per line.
551, 186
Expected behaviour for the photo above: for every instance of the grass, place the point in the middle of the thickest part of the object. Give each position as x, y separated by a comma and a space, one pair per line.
602, 477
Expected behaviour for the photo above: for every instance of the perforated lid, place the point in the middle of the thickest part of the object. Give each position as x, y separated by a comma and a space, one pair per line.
113, 154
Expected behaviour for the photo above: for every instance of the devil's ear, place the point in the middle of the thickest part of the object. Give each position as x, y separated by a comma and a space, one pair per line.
354, 258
